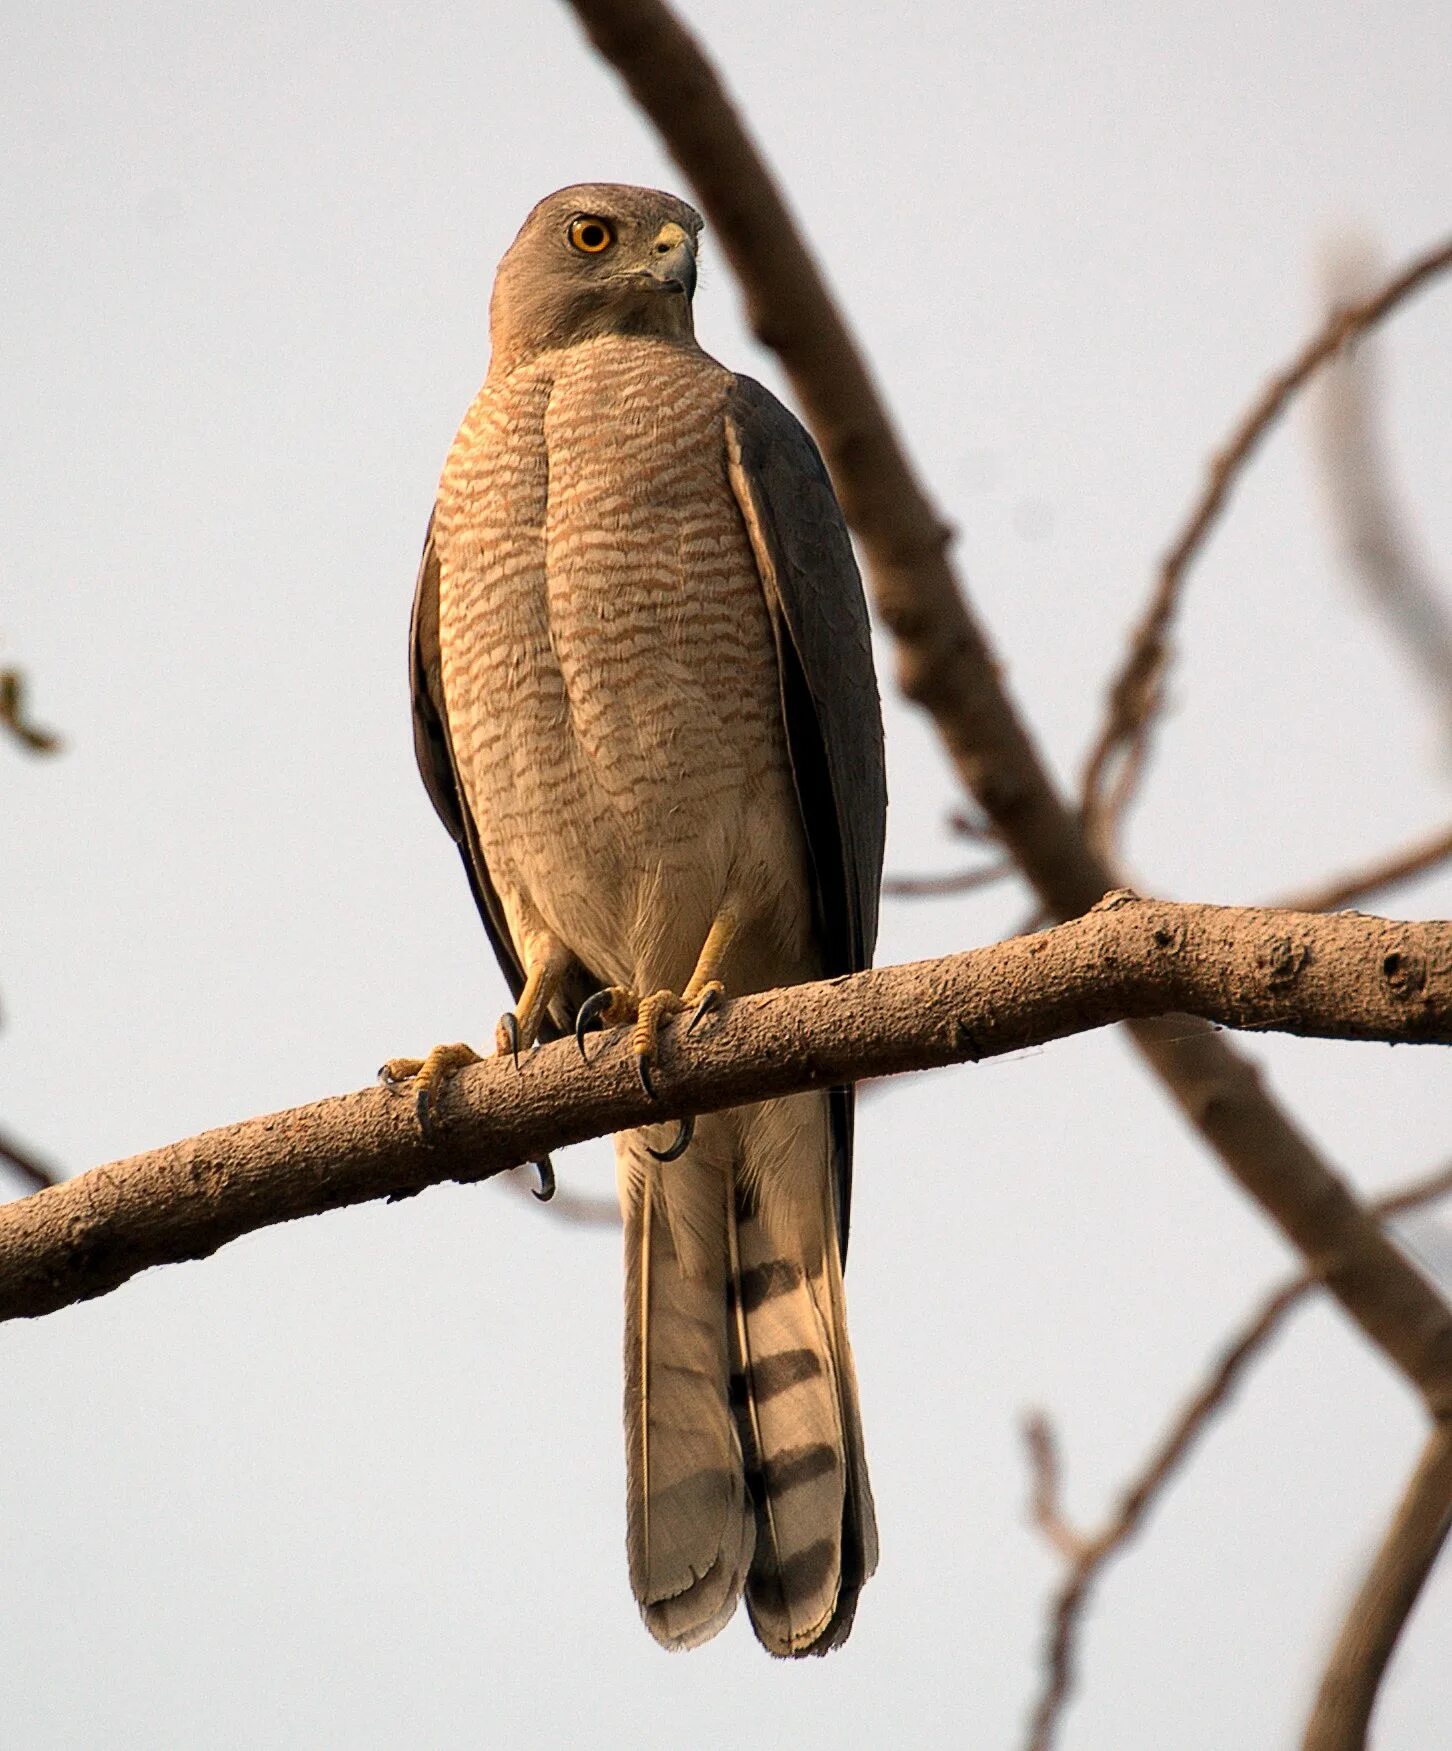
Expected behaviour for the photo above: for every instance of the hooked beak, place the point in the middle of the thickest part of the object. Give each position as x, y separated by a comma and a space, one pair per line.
675, 271
672, 264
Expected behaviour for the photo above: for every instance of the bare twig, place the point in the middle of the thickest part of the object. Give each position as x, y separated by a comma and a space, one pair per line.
1341, 976
1118, 754
1377, 878
13, 718
1086, 1553
963, 881
1383, 1603
29, 1167
1370, 523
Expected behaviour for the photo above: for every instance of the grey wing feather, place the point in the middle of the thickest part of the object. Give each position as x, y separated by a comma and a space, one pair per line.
829, 687
435, 754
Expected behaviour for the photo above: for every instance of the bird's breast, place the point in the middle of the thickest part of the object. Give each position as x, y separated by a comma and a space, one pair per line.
609, 664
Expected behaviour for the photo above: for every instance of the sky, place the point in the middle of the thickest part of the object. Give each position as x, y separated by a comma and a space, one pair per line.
359, 1480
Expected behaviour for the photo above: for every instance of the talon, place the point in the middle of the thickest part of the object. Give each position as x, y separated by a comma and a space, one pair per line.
642, 1070
592, 1014
709, 999
546, 1188
601, 1009
506, 1036
421, 1105
678, 1148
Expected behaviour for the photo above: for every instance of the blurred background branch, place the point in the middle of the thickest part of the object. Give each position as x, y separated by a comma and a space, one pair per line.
1375, 880
14, 717
28, 1167
1371, 524
1117, 757
1086, 1553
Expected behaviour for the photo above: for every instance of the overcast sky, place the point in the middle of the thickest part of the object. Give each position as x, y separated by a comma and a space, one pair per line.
359, 1481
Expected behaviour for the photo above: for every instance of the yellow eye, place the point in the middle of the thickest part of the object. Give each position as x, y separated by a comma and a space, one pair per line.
591, 236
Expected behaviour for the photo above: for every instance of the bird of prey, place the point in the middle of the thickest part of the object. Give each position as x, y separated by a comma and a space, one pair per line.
644, 707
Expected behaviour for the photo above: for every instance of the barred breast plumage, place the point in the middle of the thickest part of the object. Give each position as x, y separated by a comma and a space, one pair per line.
608, 663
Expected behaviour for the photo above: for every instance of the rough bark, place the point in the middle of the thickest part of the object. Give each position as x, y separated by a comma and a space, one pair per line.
1341, 977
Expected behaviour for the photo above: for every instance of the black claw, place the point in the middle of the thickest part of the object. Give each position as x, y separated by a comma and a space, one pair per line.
509, 1021
591, 1010
642, 1070
423, 1106
709, 1000
679, 1146
546, 1170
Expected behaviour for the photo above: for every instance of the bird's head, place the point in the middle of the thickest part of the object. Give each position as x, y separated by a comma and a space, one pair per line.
597, 258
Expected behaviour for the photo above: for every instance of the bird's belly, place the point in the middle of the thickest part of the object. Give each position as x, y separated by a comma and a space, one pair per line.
613, 693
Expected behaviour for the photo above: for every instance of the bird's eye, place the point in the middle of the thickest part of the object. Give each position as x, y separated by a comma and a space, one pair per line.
591, 236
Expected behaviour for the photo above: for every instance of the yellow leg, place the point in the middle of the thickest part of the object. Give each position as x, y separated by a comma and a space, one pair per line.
703, 991
519, 1027
705, 984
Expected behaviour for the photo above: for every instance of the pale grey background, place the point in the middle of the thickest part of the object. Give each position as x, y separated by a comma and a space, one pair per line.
359, 1481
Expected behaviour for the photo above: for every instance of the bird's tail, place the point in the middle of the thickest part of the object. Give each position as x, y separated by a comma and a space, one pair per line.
745, 1460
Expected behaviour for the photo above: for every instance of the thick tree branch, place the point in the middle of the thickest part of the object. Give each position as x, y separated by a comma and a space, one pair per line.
1341, 977
945, 664
944, 661
1117, 757
1384, 1601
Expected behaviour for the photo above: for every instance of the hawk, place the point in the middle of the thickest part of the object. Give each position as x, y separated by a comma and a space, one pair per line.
645, 709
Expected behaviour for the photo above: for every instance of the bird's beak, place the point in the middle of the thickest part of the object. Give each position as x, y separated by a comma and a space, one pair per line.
672, 263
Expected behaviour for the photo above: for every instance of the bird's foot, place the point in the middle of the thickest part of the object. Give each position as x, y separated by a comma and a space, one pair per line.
616, 1005
645, 1041
428, 1075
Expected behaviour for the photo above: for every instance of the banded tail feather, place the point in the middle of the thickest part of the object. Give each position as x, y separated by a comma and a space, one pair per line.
744, 1445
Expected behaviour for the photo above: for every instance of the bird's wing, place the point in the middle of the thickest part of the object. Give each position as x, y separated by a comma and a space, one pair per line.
828, 687
435, 754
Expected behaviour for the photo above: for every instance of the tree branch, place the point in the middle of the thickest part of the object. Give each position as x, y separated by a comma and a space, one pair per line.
1117, 757
13, 716
962, 881
1384, 1601
947, 667
1375, 878
14, 1156
944, 661
1087, 1553
1370, 523
1341, 977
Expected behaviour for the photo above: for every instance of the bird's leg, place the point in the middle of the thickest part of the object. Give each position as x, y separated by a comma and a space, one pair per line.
616, 1004
519, 1027
517, 1031
702, 993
